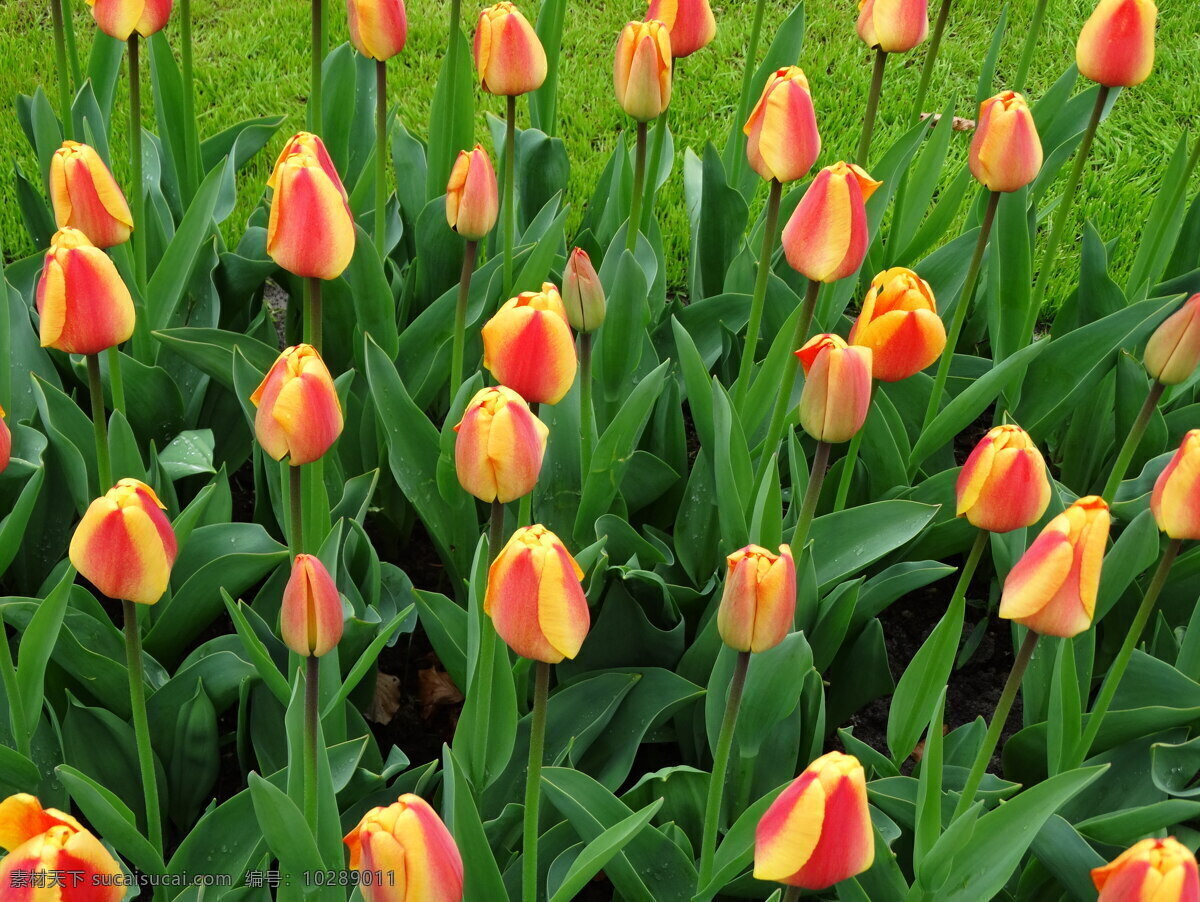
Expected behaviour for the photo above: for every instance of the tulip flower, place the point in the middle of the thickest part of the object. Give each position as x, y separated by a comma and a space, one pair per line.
894, 26
378, 28
582, 293
826, 238
1153, 870
642, 70
1052, 589
509, 56
837, 388
310, 621
84, 306
121, 18
1003, 484
690, 22
87, 197
900, 324
500, 445
782, 138
1006, 152
5, 442
124, 544
535, 599
818, 831
758, 604
527, 346
299, 414
1175, 501
311, 230
1116, 45
472, 197
1173, 351
409, 841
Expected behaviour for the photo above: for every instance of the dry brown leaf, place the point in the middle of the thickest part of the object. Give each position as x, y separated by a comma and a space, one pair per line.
436, 690
386, 702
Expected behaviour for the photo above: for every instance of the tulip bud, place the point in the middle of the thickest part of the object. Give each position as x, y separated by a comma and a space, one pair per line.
758, 605
1003, 484
409, 841
500, 445
1116, 45
84, 306
582, 293
310, 621
299, 413
642, 70
900, 324
690, 23
1006, 152
1173, 351
5, 442
528, 346
509, 56
837, 388
817, 832
826, 238
782, 138
894, 26
121, 18
124, 545
472, 198
87, 197
1153, 870
535, 599
311, 231
1175, 500
1052, 589
378, 28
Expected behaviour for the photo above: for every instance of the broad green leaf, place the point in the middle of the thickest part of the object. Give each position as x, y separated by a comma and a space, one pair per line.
597, 853
111, 818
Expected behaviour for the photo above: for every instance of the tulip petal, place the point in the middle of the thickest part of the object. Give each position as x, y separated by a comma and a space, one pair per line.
562, 608
512, 601
1037, 576
790, 829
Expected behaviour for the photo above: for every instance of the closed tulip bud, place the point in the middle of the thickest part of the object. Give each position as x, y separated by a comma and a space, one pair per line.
408, 841
299, 413
837, 388
894, 26
535, 599
1116, 45
826, 238
1175, 500
121, 18
1003, 484
642, 69
378, 28
1153, 870
1006, 152
87, 197
124, 545
782, 141
500, 444
817, 832
1173, 351
5, 442
690, 22
310, 621
758, 605
528, 346
509, 56
84, 305
582, 293
1052, 589
472, 198
899, 322
311, 231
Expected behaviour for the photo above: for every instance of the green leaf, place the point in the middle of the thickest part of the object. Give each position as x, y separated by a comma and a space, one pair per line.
18, 771
600, 851
481, 875
619, 347
37, 645
366, 661
111, 818
451, 115
374, 308
846, 542
256, 651
211, 350
284, 829
737, 848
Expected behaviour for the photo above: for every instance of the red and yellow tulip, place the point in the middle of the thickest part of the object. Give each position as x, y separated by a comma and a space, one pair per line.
582, 293
509, 56
310, 620
84, 306
899, 322
472, 196
310, 232
1116, 45
408, 840
528, 346
1173, 351
299, 413
1175, 501
837, 388
826, 237
642, 69
690, 22
1153, 870
758, 605
121, 18
87, 197
378, 28
894, 26
1006, 152
782, 141
500, 445
1003, 484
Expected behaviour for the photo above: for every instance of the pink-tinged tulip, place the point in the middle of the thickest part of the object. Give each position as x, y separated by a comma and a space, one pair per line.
899, 322
582, 293
52, 857
84, 306
121, 18
528, 346
1153, 870
124, 545
782, 141
299, 413
1173, 351
690, 23
642, 70
311, 231
758, 605
472, 198
1052, 589
378, 28
1003, 484
894, 26
310, 621
535, 599
818, 831
837, 388
1175, 500
1006, 152
500, 445
509, 56
408, 841
87, 197
1116, 45
5, 442
826, 238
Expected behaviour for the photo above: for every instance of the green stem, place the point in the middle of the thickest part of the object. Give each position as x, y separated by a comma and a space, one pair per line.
115, 382
510, 191
639, 180
716, 783
295, 483
587, 414
1132, 440
812, 494
64, 75
868, 129
312, 685
318, 60
99, 423
739, 158
190, 155
1030, 46
533, 783
313, 327
758, 299
791, 894
142, 232
381, 158
141, 724
935, 45
848, 465
12, 690
72, 50
460, 318
656, 152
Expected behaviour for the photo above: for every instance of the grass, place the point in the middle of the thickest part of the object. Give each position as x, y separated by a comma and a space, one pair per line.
252, 60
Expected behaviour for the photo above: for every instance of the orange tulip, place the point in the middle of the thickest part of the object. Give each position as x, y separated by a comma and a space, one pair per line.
826, 238
84, 306
5, 442
1006, 152
509, 56
642, 70
894, 26
378, 28
900, 324
124, 544
582, 293
121, 18
690, 22
1003, 484
472, 198
1175, 500
408, 841
299, 414
500, 446
311, 231
782, 138
310, 621
1116, 45
87, 197
758, 605
528, 346
1173, 351
837, 388
1153, 870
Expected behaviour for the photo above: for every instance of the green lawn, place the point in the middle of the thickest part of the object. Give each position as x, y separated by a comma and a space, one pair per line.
252, 61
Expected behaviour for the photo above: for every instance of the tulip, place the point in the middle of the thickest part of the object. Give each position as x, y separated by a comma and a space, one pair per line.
782, 138
690, 23
121, 18
408, 841
378, 28
582, 293
310, 621
1052, 589
1175, 501
84, 306
818, 831
311, 231
472, 197
500, 446
1006, 152
759, 601
299, 413
535, 599
894, 26
87, 197
900, 324
1173, 351
1153, 870
1116, 45
1003, 484
826, 238
5, 442
527, 346
642, 70
124, 544
508, 53
837, 388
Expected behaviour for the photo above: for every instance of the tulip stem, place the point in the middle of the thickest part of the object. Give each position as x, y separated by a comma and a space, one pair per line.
318, 60
72, 50
758, 300
791, 894
996, 727
935, 45
313, 331
587, 413
64, 75
99, 423
533, 782
869, 117
510, 190
191, 181
460, 318
115, 382
1030, 46
1132, 440
743, 107
639, 181
141, 724
381, 158
135, 157
295, 483
812, 494
312, 685
716, 783
656, 152
848, 465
